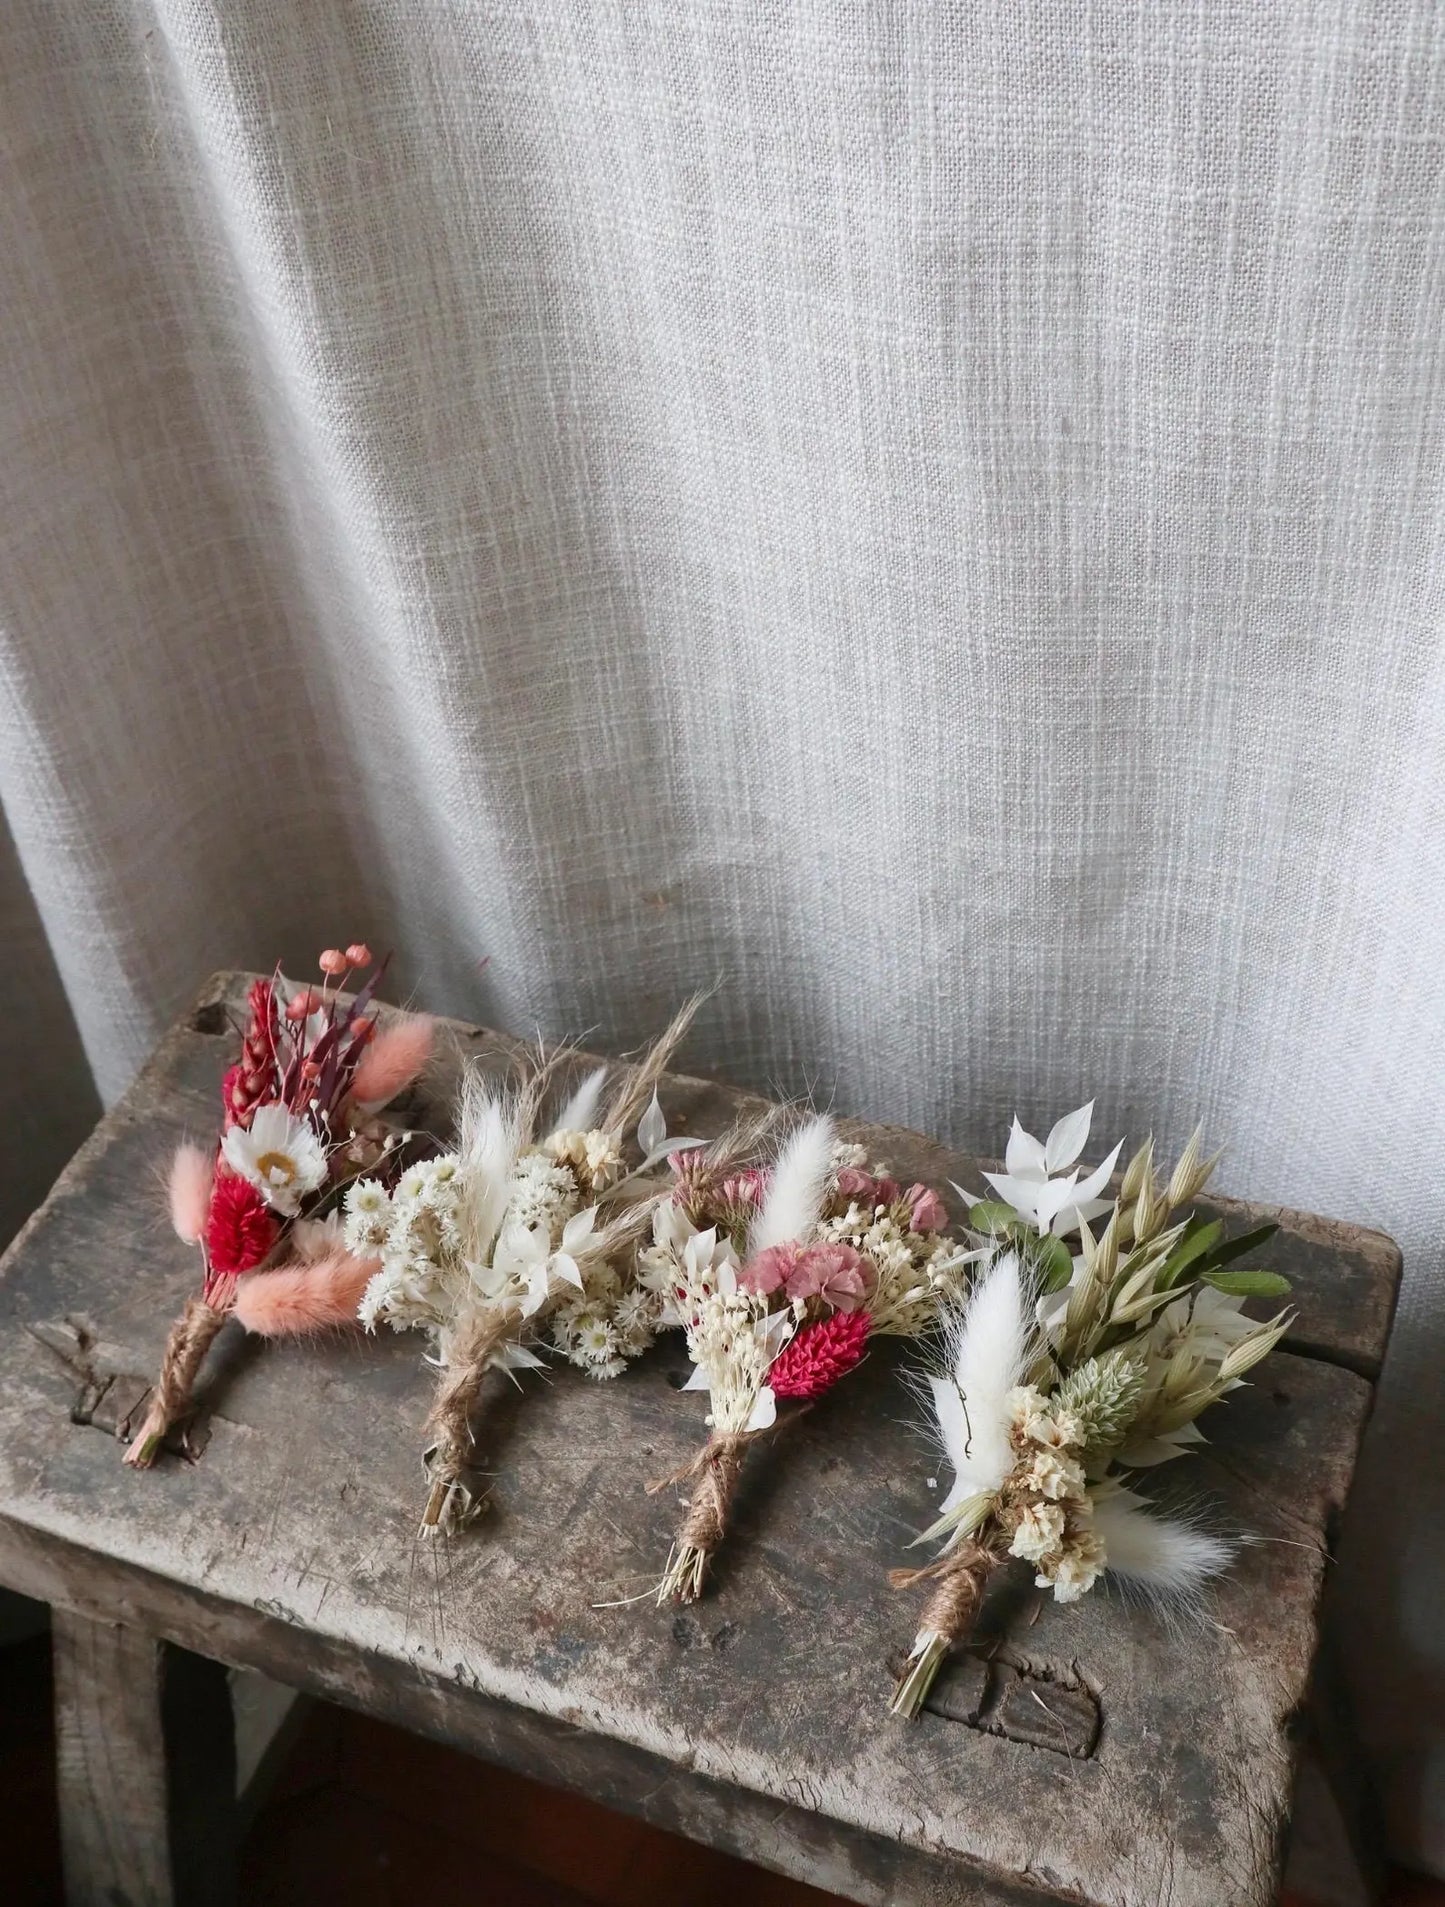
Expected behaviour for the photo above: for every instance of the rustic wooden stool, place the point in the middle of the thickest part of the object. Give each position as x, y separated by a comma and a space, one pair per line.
1087, 1754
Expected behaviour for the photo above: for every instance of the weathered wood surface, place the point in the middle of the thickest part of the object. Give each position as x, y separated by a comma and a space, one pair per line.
145, 1768
1097, 1759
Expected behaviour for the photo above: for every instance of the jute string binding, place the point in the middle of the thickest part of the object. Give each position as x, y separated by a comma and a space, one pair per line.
191, 1336
450, 1504
959, 1580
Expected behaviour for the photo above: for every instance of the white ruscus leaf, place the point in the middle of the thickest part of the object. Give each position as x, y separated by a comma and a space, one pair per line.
651, 1128
1068, 1139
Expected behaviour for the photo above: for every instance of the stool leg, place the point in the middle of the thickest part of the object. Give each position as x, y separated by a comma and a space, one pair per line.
146, 1763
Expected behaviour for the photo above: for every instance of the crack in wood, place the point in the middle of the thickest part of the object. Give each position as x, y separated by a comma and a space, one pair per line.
1031, 1703
110, 1396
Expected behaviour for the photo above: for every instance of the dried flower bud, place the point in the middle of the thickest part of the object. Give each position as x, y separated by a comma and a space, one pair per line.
333, 962
1251, 1350
1136, 1173
1192, 1173
363, 1030
358, 954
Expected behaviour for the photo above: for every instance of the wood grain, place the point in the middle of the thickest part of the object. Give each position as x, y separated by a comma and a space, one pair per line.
756, 1722
145, 1768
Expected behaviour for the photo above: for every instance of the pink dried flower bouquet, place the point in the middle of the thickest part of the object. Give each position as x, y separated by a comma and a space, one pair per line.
261, 1206
779, 1277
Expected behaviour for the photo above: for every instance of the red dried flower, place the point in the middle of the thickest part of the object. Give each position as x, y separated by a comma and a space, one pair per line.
240, 1230
819, 1355
252, 1079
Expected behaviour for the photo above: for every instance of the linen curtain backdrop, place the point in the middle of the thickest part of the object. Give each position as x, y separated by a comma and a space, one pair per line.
930, 514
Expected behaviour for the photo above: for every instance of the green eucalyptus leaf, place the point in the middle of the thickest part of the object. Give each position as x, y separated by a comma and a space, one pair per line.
1233, 1248
1248, 1284
1055, 1262
1199, 1240
992, 1216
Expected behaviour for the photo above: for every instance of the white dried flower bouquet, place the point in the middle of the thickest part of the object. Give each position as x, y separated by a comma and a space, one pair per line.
528, 1215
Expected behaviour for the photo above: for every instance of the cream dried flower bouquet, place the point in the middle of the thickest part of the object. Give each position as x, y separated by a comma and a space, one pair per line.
1069, 1370
528, 1213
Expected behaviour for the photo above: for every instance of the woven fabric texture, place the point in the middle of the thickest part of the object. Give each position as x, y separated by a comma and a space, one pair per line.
929, 515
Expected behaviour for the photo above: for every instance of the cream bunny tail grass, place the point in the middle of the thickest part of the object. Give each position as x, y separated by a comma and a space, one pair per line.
986, 1354
492, 1129
1165, 1559
797, 1187
579, 1112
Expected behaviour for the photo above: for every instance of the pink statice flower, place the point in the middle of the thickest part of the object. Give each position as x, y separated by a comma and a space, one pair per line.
839, 1275
766, 1270
926, 1212
744, 1189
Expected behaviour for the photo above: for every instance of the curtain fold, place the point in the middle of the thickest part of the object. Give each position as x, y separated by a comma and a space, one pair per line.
929, 516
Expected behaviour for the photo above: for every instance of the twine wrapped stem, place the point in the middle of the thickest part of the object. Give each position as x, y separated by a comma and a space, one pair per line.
959, 1580
172, 1400
450, 1504
714, 1474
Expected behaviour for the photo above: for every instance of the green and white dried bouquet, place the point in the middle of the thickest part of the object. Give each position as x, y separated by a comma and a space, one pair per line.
481, 1246
1069, 1370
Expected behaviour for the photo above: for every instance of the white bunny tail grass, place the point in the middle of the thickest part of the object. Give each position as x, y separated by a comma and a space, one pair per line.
1165, 1561
492, 1131
579, 1113
987, 1349
797, 1187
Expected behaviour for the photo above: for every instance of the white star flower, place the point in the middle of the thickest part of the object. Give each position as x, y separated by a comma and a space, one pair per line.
279, 1154
367, 1196
1209, 1322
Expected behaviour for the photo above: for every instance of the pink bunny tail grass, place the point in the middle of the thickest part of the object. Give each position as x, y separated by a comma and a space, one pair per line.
190, 1192
298, 1299
396, 1056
